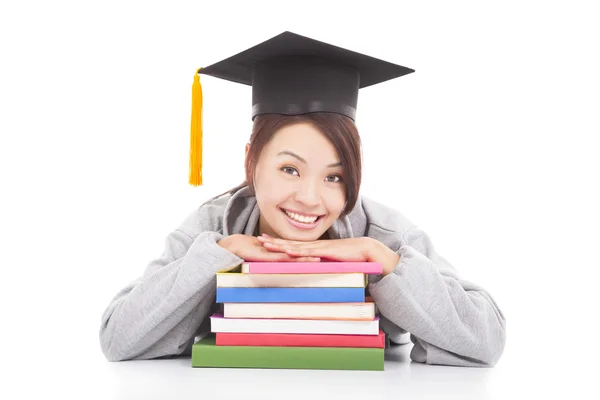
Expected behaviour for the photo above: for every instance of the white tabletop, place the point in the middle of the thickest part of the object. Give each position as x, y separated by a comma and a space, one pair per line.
402, 378
528, 369
159, 378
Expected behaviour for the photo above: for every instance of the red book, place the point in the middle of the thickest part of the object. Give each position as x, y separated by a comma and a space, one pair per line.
300, 340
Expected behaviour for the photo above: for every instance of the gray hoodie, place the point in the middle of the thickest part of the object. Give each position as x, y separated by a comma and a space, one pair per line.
449, 320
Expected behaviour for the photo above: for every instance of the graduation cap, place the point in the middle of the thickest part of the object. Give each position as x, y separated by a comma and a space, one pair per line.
292, 74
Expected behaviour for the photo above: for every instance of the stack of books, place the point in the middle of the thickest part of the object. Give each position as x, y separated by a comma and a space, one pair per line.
296, 315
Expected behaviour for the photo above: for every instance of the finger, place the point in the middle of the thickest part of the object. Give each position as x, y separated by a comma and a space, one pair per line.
274, 247
300, 259
276, 257
269, 239
308, 259
318, 250
303, 252
288, 258
290, 245
280, 255
279, 247
284, 257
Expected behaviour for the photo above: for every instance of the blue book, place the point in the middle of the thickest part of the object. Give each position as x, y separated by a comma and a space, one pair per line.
290, 295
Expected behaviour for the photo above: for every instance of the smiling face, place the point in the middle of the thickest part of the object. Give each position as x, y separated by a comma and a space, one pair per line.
299, 184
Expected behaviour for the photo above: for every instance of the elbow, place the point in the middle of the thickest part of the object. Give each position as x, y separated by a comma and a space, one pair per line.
111, 352
118, 346
114, 356
491, 359
492, 342
494, 349
113, 344
483, 350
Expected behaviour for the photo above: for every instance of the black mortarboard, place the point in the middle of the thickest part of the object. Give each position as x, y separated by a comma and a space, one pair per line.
292, 74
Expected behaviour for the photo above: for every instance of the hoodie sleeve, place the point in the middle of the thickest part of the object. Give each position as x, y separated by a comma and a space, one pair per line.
159, 313
451, 321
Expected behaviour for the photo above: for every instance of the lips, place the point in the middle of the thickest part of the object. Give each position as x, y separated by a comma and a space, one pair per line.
300, 224
294, 215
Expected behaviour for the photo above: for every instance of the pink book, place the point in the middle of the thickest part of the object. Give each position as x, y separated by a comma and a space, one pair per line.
323, 267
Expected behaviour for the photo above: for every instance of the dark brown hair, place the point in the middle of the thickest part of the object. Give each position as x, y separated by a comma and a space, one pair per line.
338, 129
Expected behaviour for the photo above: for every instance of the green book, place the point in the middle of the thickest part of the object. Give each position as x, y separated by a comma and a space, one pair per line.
205, 353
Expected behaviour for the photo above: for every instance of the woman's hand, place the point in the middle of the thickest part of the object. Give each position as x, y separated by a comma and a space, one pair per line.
353, 249
250, 248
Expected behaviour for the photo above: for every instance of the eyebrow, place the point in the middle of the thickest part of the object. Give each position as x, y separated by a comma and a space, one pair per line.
289, 153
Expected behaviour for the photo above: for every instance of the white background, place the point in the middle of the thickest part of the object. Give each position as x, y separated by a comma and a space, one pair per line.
491, 146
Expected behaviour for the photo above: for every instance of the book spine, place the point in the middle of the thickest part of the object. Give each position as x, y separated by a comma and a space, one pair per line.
291, 280
313, 268
205, 354
300, 340
219, 324
290, 295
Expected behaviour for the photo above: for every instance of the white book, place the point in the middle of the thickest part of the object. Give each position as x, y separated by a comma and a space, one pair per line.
327, 311
235, 279
218, 324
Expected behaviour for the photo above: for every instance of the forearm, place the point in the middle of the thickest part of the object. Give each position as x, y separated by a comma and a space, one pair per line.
158, 315
449, 315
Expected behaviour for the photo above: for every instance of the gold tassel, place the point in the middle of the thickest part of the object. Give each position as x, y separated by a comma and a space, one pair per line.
195, 177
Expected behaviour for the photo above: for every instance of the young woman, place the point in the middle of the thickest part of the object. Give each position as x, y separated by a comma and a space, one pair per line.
301, 201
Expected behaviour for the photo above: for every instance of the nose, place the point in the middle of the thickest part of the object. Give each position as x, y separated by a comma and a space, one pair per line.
308, 193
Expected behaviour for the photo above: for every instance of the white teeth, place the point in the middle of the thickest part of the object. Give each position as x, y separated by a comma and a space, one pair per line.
301, 218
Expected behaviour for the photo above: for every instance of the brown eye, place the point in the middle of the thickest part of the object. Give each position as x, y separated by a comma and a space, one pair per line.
289, 170
336, 179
